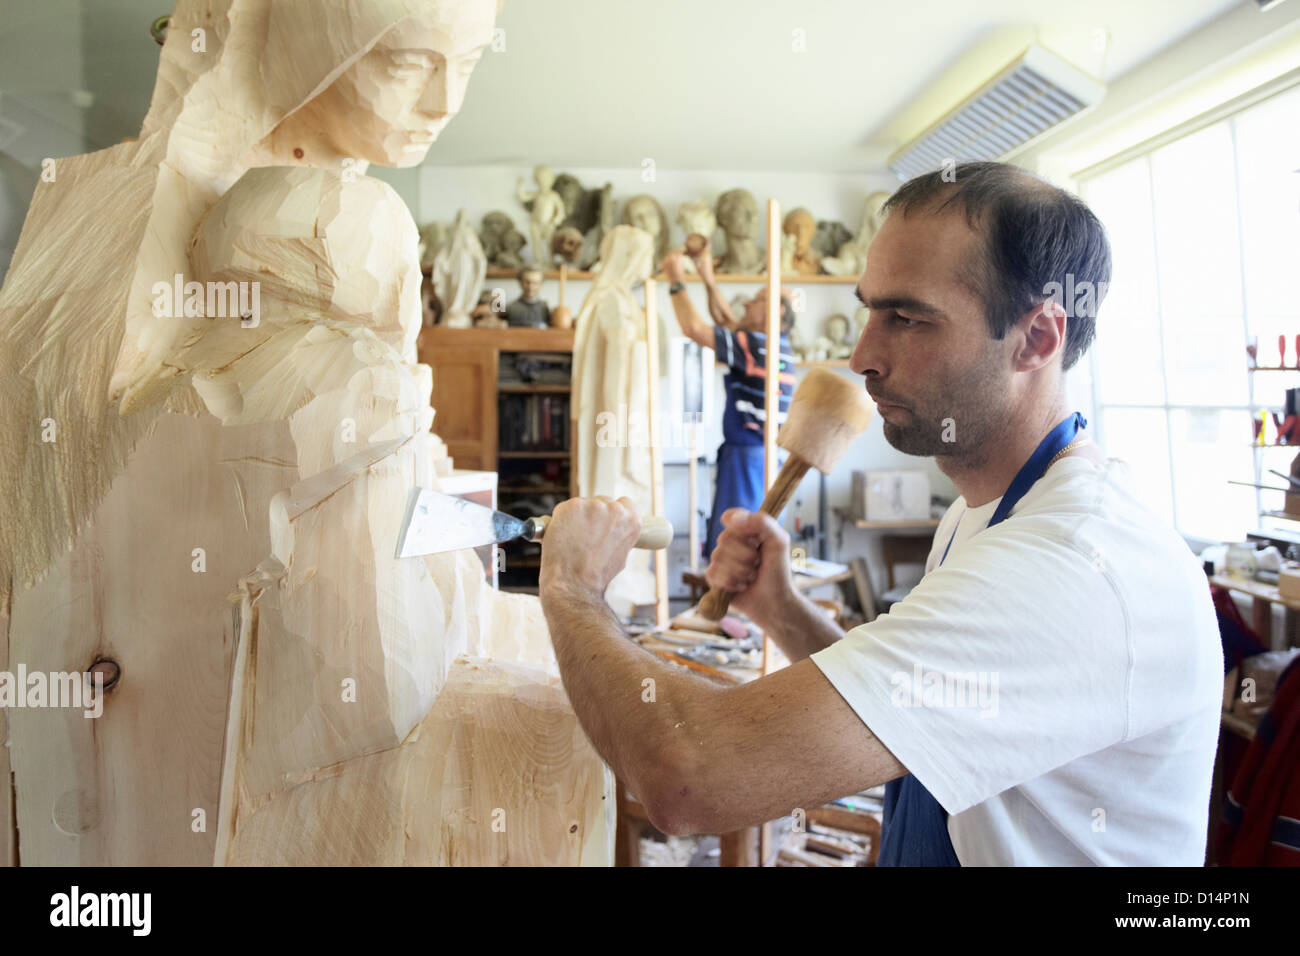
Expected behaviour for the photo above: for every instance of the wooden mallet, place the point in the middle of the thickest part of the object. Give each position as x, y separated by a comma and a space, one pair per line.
826, 414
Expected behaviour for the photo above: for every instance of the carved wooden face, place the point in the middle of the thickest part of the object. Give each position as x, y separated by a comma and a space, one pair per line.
394, 101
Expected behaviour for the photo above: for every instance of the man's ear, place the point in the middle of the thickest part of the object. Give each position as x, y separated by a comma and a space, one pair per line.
1042, 332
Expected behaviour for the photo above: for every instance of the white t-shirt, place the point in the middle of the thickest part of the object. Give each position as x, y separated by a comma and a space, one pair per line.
1056, 683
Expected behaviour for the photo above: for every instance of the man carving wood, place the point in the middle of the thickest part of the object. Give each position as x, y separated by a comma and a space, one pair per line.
1049, 692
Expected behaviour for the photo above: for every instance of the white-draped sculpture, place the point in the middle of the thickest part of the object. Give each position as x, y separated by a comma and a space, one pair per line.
612, 397
459, 268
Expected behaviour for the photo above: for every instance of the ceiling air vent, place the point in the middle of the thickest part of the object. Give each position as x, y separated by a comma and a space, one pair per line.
1034, 94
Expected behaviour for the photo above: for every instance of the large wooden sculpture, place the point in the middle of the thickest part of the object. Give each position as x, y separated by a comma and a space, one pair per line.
203, 484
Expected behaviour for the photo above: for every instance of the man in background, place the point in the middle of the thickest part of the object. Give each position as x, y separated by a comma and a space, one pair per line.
740, 343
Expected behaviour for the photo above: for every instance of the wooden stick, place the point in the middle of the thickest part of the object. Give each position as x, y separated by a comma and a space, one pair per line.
715, 603
772, 407
693, 478
656, 453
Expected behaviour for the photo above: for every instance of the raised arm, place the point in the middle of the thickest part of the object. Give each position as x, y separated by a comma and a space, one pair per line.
719, 308
693, 327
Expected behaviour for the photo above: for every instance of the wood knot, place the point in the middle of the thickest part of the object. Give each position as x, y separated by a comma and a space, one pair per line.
297, 152
110, 670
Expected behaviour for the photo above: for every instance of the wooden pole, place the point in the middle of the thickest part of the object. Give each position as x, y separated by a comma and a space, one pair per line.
693, 478
772, 410
772, 385
656, 453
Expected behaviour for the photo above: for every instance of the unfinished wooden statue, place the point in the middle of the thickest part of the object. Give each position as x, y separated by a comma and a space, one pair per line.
207, 474
612, 396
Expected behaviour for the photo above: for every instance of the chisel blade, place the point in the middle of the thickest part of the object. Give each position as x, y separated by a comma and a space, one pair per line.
436, 523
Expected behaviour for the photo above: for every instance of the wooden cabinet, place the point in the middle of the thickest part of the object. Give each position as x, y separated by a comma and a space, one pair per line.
467, 401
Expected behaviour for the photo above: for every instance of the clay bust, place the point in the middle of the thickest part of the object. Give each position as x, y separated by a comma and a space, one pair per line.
644, 212
501, 241
830, 235
851, 258
529, 311
696, 218
800, 225
837, 332
570, 191
738, 216
567, 244
284, 446
547, 211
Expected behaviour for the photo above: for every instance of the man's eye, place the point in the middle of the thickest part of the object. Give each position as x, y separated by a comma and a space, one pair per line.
904, 321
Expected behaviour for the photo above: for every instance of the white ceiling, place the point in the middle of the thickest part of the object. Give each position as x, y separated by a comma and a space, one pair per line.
691, 84
716, 84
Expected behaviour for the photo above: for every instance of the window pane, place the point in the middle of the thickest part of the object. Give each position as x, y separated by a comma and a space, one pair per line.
1127, 348
1138, 435
1199, 268
1268, 155
1211, 447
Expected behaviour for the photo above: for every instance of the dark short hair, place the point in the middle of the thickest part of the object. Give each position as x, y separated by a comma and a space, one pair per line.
787, 313
1035, 235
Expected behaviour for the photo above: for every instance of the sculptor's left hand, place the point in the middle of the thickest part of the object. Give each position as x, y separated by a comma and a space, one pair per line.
587, 543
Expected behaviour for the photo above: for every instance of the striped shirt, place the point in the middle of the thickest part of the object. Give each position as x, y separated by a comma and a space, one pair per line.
745, 355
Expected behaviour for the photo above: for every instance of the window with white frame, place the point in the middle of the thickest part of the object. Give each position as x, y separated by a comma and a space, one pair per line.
1205, 240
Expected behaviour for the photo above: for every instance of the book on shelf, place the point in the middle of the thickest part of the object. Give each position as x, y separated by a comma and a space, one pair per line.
534, 422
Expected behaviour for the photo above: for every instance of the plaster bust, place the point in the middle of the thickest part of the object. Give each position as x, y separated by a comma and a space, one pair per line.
738, 216
644, 212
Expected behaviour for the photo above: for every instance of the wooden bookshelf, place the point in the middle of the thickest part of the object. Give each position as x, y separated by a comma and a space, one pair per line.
467, 401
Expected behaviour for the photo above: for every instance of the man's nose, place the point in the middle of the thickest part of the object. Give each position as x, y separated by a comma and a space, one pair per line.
869, 357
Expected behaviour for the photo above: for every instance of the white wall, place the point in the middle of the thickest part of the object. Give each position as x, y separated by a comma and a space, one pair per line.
480, 189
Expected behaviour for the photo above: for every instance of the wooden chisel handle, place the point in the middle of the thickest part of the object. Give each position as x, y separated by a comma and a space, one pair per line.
715, 603
656, 532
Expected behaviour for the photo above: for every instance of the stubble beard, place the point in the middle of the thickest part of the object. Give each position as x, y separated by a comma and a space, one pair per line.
961, 422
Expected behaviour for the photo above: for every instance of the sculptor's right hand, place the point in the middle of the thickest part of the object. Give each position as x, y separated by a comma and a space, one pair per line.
704, 261
752, 560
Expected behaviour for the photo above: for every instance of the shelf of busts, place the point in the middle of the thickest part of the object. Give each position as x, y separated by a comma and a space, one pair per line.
722, 277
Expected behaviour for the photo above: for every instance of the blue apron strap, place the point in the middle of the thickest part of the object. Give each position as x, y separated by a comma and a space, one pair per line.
915, 826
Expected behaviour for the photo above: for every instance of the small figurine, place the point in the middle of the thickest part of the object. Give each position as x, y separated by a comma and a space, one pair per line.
547, 210
458, 272
529, 311
485, 316
738, 216
501, 241
1252, 350
566, 244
